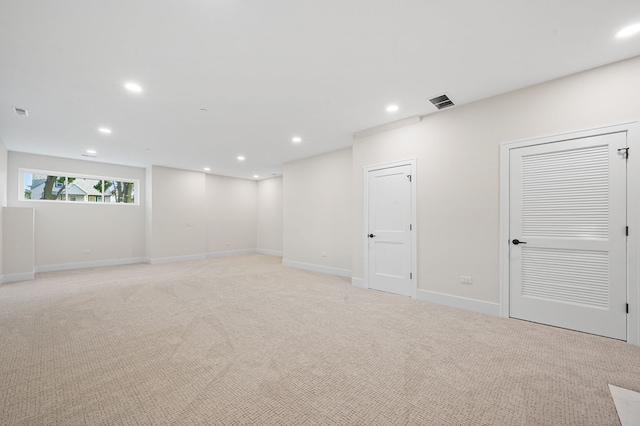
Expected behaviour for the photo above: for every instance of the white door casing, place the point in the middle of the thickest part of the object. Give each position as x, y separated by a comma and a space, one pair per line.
390, 228
567, 223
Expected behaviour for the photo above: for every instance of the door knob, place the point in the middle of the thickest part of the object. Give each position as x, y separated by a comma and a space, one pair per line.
517, 241
371, 235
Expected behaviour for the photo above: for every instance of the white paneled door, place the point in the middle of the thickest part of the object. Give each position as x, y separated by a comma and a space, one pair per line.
568, 264
389, 230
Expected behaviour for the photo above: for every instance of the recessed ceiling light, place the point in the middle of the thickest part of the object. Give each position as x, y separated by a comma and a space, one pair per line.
91, 151
133, 87
240, 158
206, 169
256, 176
104, 130
628, 31
296, 139
392, 108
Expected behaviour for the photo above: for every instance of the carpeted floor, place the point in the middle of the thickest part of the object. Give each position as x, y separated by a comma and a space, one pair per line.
243, 340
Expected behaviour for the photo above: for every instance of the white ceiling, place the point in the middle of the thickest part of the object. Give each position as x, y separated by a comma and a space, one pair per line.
268, 70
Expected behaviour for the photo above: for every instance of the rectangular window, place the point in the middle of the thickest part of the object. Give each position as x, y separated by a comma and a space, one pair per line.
42, 186
119, 191
76, 188
84, 189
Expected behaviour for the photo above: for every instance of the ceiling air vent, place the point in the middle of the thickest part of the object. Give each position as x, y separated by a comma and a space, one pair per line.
21, 111
441, 102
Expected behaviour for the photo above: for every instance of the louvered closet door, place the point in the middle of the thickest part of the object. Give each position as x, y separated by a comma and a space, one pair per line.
568, 206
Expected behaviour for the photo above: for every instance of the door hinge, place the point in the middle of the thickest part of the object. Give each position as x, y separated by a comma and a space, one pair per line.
627, 231
624, 151
627, 308
410, 227
410, 275
409, 177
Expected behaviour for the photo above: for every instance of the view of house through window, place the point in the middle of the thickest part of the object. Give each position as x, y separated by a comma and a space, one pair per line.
47, 186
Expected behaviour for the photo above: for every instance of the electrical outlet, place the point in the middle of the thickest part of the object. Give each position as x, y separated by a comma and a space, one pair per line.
466, 280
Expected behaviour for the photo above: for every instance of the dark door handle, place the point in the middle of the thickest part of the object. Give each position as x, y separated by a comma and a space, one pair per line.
371, 235
517, 241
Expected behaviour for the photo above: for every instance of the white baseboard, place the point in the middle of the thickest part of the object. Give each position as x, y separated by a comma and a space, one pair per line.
174, 259
358, 282
230, 253
269, 252
317, 268
10, 278
460, 302
93, 264
116, 262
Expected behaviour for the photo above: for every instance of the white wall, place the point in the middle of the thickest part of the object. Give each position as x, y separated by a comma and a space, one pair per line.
186, 215
270, 216
457, 153
18, 237
178, 226
231, 214
193, 214
317, 220
148, 213
64, 232
3, 196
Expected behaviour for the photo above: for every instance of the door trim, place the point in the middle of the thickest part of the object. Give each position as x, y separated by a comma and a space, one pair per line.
633, 216
414, 245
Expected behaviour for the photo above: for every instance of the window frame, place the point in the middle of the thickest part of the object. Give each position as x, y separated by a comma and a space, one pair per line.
21, 187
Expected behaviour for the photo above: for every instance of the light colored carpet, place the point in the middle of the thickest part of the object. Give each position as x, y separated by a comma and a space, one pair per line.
243, 340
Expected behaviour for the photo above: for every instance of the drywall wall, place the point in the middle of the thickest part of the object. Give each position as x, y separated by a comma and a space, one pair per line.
269, 238
192, 214
231, 214
317, 216
69, 235
178, 227
457, 154
18, 255
3, 198
148, 213
4, 158
182, 215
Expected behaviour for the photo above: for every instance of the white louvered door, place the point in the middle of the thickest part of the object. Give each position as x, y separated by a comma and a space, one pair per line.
568, 210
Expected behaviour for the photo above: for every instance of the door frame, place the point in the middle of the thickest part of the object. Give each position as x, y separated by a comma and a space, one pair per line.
414, 245
633, 216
